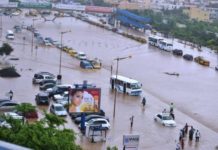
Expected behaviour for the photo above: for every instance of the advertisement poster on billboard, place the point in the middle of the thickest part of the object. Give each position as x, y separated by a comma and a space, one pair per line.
84, 100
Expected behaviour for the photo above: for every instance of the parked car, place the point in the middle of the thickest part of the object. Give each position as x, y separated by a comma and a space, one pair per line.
61, 96
46, 86
13, 115
202, 61
188, 57
165, 119
36, 34
47, 81
42, 98
67, 49
58, 89
8, 105
86, 64
58, 109
47, 42
81, 56
76, 115
39, 77
4, 100
3, 123
96, 63
72, 52
49, 39
177, 52
29, 115
98, 121
89, 117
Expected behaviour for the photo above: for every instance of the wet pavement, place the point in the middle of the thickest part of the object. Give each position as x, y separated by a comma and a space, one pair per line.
194, 91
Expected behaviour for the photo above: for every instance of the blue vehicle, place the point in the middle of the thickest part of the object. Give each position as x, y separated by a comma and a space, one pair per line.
86, 64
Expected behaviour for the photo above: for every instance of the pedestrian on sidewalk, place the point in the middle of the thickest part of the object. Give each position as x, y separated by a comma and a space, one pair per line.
131, 121
197, 136
143, 102
10, 94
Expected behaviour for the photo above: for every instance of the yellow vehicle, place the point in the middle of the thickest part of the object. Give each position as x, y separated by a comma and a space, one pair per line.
66, 49
96, 63
202, 61
72, 52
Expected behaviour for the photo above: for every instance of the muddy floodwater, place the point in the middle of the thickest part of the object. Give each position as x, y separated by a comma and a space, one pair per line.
194, 92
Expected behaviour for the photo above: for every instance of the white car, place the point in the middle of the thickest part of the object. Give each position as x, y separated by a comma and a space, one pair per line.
81, 56
47, 43
165, 119
3, 123
98, 121
13, 115
61, 98
58, 109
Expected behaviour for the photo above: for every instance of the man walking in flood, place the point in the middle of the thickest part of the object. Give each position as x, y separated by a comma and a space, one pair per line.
131, 121
10, 94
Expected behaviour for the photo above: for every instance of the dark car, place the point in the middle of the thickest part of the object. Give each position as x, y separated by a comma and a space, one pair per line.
49, 39
4, 100
188, 57
75, 115
47, 81
28, 115
177, 52
8, 105
86, 64
59, 89
46, 86
42, 98
89, 117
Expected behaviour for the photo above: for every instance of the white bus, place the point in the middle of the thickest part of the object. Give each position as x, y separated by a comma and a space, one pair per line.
10, 35
165, 45
125, 85
154, 40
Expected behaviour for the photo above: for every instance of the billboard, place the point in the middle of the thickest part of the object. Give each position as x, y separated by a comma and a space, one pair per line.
131, 141
84, 100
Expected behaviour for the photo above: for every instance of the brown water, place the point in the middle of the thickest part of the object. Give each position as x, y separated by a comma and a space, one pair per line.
194, 92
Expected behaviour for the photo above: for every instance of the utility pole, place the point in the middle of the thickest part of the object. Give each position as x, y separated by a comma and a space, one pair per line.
115, 94
32, 42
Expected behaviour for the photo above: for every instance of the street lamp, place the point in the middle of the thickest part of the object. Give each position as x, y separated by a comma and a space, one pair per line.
34, 19
115, 94
59, 76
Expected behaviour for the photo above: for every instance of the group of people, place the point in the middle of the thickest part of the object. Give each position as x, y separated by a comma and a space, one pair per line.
182, 134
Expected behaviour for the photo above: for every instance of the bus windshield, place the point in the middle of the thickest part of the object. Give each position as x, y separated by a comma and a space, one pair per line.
135, 86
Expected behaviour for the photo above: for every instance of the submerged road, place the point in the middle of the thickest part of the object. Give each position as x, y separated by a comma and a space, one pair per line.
194, 91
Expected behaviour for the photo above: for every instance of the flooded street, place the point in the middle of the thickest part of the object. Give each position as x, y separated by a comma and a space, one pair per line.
194, 91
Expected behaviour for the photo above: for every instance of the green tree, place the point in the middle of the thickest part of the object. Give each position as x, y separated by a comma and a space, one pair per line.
53, 120
39, 136
6, 49
25, 108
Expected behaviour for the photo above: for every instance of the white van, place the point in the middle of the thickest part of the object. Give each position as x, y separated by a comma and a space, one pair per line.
10, 35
